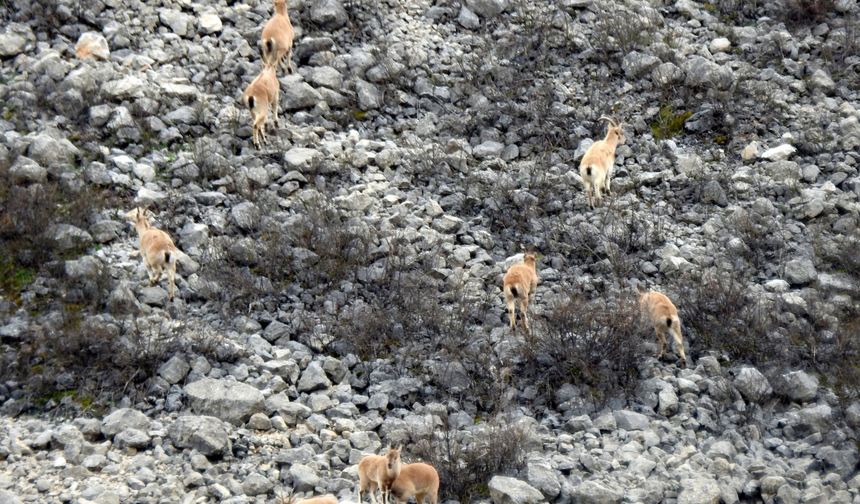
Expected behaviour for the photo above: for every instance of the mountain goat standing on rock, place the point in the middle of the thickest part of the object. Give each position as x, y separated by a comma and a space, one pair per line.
261, 96
156, 247
663, 315
520, 283
598, 162
378, 471
277, 38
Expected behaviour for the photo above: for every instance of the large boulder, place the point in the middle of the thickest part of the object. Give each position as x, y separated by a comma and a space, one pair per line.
205, 434
506, 490
752, 384
122, 419
230, 401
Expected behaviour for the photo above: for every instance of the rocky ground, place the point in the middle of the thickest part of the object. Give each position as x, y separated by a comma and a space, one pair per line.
340, 288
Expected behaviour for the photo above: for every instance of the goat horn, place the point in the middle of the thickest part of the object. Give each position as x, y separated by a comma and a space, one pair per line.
608, 119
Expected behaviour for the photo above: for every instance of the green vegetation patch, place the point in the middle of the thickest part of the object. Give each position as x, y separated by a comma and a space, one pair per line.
668, 123
14, 278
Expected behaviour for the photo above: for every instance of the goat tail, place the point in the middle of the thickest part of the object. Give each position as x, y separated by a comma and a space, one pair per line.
268, 48
251, 102
588, 171
168, 258
514, 291
669, 322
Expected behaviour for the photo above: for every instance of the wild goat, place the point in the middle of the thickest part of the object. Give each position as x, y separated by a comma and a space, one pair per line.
277, 38
262, 95
416, 480
156, 247
664, 317
520, 283
378, 471
322, 499
599, 160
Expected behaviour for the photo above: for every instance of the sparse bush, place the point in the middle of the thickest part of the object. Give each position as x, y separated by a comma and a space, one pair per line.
718, 312
595, 343
762, 236
622, 30
467, 460
807, 11
669, 124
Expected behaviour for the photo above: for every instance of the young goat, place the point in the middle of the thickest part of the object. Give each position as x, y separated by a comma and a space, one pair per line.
262, 95
599, 160
277, 38
378, 471
416, 480
664, 317
156, 247
520, 283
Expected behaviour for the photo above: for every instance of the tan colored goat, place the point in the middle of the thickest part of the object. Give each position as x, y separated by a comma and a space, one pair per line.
520, 283
322, 499
277, 38
664, 317
261, 96
416, 480
156, 247
599, 161
378, 471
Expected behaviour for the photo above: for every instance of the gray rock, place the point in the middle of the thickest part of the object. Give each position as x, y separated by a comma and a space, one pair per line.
596, 492
797, 386
207, 435
7, 497
468, 19
842, 462
297, 94
630, 420
15, 39
852, 414
714, 193
313, 378
50, 149
210, 23
821, 81
132, 438
705, 73
122, 419
817, 418
176, 20
305, 479
328, 13
129, 86
506, 490
302, 158
246, 215
256, 484
91, 462
667, 74
800, 271
174, 370
699, 491
752, 385
636, 63
326, 76
487, 8
27, 170
230, 401
541, 475
488, 149
369, 96
260, 421
153, 296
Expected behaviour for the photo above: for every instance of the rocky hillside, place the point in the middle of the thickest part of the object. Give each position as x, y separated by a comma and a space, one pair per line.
340, 289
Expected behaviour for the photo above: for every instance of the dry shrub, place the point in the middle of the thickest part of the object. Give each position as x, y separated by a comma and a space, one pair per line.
595, 343
466, 460
718, 312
